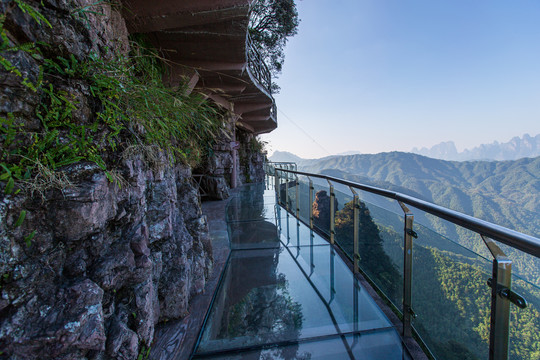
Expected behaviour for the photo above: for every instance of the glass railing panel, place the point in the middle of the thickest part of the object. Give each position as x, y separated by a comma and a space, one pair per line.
383, 344
303, 199
285, 183
380, 243
343, 195
525, 266
450, 296
321, 206
291, 195
525, 323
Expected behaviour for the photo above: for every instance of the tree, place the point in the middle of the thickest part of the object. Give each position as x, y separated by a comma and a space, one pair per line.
271, 23
374, 260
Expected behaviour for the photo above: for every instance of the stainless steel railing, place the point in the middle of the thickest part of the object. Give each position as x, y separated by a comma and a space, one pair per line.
500, 283
257, 66
260, 73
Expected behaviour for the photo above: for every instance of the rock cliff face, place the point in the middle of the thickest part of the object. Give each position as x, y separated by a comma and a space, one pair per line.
251, 159
217, 173
106, 262
105, 265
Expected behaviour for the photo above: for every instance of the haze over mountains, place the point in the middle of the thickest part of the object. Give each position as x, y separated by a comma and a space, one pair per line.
516, 148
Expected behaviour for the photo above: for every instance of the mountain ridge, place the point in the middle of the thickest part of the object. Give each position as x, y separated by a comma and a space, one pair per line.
502, 192
515, 148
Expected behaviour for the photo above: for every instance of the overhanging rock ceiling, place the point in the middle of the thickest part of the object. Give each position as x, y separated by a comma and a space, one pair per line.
205, 40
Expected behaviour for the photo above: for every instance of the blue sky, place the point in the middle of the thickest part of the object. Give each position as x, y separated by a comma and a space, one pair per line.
384, 75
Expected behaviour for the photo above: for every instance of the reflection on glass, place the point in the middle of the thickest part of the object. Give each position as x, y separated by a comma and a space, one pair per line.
253, 234
296, 296
380, 248
525, 323
380, 345
450, 297
294, 233
262, 301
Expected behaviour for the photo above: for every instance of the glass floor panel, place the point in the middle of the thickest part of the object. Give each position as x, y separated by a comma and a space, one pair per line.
295, 233
379, 345
288, 295
236, 211
253, 234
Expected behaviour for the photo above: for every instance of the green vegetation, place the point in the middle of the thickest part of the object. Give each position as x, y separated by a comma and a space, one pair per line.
450, 295
271, 23
100, 109
376, 263
502, 192
135, 112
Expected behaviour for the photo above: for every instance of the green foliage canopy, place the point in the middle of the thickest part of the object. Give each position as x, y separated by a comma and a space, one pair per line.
271, 23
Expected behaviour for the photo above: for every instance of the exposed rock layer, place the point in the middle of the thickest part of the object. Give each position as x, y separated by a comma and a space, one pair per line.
107, 262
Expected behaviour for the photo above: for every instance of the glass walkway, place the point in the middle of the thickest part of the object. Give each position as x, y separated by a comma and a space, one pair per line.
286, 294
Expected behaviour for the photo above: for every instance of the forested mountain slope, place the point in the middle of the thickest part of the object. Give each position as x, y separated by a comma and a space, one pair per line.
503, 192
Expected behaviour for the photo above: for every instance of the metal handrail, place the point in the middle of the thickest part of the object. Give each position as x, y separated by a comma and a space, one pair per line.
515, 239
257, 66
260, 72
500, 282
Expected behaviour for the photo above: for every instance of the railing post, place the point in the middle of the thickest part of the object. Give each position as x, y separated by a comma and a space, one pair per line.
297, 183
311, 188
356, 221
500, 284
332, 213
408, 312
311, 258
332, 275
288, 231
287, 192
277, 182
356, 288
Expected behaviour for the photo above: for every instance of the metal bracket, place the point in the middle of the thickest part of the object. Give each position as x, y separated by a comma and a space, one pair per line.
411, 312
412, 233
508, 294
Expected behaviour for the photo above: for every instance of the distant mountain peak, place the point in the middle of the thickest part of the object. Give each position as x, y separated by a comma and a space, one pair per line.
516, 148
284, 156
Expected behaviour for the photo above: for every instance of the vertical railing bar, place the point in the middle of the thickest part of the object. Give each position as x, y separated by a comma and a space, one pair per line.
287, 191
311, 258
355, 310
297, 234
310, 203
332, 212
408, 313
356, 222
332, 275
288, 233
277, 182
500, 307
297, 202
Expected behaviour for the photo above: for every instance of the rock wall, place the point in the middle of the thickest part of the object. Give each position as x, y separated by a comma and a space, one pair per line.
106, 262
217, 173
251, 159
